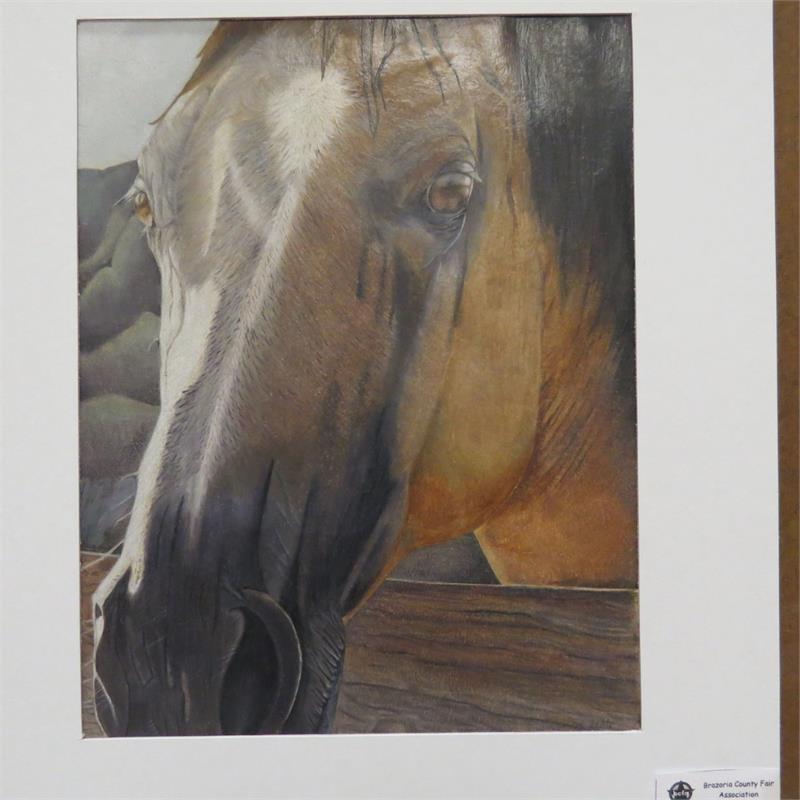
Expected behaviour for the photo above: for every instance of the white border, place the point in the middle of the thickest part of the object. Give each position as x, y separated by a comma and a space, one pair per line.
708, 475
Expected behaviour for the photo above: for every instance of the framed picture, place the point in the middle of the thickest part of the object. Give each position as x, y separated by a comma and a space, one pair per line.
421, 380
461, 375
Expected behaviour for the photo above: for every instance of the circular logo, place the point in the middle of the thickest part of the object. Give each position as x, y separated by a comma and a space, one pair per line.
680, 791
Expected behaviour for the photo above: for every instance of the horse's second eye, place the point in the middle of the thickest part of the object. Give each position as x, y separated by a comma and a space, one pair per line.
450, 192
141, 207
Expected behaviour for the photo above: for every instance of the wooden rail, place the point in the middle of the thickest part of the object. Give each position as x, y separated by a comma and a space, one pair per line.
449, 657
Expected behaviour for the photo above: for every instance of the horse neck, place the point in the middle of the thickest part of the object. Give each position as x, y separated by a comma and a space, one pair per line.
582, 415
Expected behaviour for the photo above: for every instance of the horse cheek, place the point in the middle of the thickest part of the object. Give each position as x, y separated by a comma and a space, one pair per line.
482, 437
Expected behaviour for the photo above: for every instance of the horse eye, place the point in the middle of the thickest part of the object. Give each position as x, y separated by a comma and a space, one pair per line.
450, 192
141, 207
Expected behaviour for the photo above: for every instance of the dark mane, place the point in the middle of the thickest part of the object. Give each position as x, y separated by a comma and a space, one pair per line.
576, 75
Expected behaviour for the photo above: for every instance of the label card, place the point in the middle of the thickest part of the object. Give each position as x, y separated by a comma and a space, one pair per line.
719, 784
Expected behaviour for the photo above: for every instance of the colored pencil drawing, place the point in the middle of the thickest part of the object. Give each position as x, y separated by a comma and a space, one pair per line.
358, 406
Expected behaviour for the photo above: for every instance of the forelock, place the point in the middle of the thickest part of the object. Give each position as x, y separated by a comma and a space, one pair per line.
379, 40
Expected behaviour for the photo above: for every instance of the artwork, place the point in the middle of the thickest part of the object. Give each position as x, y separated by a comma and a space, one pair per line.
357, 374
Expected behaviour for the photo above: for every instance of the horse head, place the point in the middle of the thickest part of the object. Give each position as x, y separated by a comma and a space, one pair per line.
351, 274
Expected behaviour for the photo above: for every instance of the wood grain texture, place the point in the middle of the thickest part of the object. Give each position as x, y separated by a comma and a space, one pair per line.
433, 657
448, 657
787, 146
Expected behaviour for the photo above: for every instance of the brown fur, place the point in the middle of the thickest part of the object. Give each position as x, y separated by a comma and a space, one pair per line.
572, 518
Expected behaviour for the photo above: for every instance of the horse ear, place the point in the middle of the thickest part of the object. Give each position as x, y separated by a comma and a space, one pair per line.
262, 678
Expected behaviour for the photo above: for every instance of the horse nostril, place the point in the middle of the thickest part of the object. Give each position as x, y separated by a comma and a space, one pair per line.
263, 676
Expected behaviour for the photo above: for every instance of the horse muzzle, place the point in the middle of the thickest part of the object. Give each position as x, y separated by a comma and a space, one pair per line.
238, 675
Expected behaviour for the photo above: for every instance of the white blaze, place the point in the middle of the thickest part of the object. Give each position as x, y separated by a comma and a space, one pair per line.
301, 119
